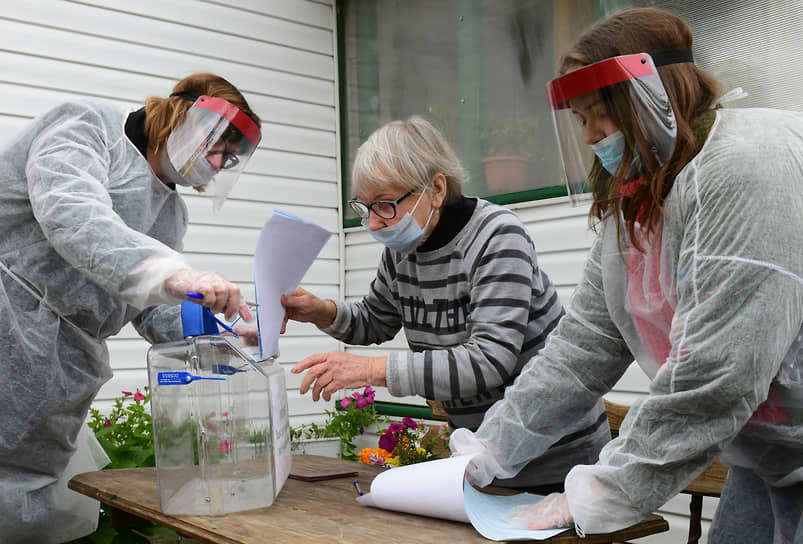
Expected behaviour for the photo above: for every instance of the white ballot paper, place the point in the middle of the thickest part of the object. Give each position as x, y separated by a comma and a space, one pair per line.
286, 248
438, 489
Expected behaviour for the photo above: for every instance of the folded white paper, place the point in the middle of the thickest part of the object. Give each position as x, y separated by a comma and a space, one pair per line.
439, 489
286, 248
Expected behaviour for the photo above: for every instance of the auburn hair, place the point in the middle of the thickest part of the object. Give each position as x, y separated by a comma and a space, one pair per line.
691, 91
162, 115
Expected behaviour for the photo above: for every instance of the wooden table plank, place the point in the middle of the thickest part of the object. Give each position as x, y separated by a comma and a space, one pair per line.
306, 512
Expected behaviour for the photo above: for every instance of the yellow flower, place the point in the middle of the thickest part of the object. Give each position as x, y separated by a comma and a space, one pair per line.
392, 461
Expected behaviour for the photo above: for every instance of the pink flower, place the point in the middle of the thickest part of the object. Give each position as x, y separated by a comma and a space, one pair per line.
377, 460
345, 402
362, 402
211, 426
224, 446
138, 396
409, 422
356, 395
127, 393
225, 414
107, 423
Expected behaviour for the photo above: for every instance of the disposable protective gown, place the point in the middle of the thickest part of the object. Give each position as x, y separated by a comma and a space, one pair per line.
712, 313
89, 235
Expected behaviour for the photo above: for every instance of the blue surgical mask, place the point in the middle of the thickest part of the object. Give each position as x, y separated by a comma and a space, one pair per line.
610, 151
403, 236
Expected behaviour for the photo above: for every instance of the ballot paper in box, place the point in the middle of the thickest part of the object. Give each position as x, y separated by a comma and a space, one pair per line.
219, 409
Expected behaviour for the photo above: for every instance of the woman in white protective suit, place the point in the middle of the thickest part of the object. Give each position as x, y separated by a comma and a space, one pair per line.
696, 273
92, 229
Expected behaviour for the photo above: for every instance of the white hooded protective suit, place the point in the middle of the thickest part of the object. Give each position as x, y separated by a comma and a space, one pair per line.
89, 236
713, 315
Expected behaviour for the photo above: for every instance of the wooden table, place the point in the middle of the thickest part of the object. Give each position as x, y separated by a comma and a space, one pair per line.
306, 512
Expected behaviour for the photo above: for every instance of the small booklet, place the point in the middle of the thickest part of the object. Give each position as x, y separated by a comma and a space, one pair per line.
439, 489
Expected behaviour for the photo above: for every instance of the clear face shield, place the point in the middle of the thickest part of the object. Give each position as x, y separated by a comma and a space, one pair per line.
638, 77
210, 147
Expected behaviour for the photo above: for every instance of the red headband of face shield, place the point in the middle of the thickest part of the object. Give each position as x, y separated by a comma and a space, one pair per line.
234, 115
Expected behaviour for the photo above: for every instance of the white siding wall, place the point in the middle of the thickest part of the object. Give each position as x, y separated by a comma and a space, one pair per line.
280, 53
562, 241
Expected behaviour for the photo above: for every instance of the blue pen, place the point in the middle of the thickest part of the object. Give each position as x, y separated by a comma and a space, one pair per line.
357, 485
199, 296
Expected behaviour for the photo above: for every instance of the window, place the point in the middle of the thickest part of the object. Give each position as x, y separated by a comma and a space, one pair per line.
478, 68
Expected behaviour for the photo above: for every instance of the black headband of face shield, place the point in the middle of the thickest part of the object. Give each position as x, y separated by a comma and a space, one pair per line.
192, 97
675, 56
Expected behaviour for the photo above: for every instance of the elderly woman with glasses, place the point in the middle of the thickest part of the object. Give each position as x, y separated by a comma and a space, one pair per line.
459, 275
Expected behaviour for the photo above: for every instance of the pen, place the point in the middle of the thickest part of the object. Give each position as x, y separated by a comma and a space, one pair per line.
199, 296
357, 485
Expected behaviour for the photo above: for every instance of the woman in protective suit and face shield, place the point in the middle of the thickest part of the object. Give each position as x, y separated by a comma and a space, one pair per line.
93, 229
696, 273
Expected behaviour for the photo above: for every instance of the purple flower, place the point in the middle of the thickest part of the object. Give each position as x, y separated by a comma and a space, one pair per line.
410, 423
362, 402
388, 441
395, 428
362, 430
345, 402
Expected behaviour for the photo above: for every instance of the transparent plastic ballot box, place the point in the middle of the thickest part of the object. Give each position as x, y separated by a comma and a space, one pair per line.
220, 426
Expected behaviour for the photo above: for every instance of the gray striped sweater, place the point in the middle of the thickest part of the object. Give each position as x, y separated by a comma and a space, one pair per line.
474, 310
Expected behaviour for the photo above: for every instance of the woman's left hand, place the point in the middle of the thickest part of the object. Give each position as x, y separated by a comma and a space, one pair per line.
333, 371
248, 334
551, 511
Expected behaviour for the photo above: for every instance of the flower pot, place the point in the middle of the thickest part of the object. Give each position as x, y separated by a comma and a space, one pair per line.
328, 447
505, 174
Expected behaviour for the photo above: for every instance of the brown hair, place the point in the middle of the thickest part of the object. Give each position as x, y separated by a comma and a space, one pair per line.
691, 90
162, 115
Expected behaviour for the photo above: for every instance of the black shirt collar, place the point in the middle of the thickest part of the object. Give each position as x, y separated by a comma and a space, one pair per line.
453, 218
135, 132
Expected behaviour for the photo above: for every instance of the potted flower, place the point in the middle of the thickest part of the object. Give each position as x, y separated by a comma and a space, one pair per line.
507, 145
408, 442
352, 417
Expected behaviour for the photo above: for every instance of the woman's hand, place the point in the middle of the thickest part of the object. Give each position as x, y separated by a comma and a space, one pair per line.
305, 307
333, 371
248, 334
219, 294
551, 511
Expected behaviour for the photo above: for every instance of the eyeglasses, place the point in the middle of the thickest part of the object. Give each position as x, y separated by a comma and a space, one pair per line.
386, 209
229, 160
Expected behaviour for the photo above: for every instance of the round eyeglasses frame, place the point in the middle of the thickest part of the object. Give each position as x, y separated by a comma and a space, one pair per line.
386, 209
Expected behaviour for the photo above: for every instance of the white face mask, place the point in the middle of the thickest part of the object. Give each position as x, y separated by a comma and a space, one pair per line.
201, 174
403, 236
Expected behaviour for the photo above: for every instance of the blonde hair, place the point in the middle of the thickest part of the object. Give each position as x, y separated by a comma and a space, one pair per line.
407, 154
162, 115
